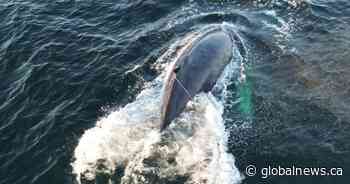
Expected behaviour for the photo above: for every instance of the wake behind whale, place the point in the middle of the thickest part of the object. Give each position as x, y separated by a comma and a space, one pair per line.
127, 147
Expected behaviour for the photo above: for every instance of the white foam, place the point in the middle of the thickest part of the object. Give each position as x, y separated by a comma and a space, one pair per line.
193, 149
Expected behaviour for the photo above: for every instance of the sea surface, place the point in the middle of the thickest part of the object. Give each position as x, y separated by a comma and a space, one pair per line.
81, 83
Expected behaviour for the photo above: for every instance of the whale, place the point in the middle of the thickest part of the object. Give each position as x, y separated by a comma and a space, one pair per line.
195, 70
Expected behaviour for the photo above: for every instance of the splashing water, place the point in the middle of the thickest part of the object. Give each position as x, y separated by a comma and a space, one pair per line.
127, 147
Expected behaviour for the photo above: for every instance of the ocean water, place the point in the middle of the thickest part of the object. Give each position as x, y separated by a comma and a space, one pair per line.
81, 83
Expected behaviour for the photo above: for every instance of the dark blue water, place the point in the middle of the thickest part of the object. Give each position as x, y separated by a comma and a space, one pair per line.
63, 62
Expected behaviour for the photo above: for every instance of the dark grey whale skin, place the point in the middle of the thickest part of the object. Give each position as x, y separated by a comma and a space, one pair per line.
198, 69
